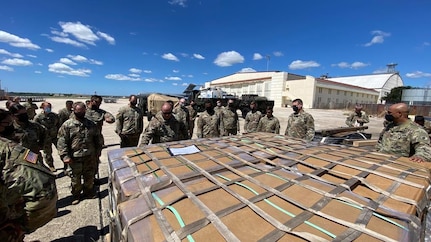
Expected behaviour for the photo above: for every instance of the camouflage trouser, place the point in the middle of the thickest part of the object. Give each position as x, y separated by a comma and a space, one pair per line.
47, 151
129, 140
83, 167
191, 128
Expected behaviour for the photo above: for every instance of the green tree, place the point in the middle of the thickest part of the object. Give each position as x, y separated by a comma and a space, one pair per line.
395, 95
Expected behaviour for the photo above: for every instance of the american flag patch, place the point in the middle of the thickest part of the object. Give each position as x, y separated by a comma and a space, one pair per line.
30, 157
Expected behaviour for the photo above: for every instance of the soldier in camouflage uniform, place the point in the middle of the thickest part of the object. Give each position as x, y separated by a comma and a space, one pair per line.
252, 118
230, 119
30, 107
193, 114
51, 123
269, 123
218, 108
28, 133
64, 113
403, 137
130, 123
79, 145
209, 124
163, 127
28, 193
98, 116
182, 114
300, 124
357, 118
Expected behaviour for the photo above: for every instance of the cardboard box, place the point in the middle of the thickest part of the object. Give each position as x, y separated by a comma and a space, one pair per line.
265, 187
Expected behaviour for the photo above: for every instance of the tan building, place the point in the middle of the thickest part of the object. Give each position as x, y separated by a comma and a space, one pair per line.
283, 87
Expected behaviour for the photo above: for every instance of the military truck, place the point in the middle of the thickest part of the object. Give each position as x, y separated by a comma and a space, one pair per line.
212, 94
152, 103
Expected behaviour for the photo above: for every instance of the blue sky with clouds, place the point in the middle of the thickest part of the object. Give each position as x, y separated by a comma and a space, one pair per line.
123, 47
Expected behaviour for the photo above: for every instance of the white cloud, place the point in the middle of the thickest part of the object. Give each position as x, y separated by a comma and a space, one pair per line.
17, 62
6, 68
83, 59
354, 65
175, 71
228, 58
152, 80
426, 43
95, 62
38, 72
299, 64
173, 78
379, 37
181, 3
32, 56
65, 69
277, 53
107, 37
184, 84
17, 41
198, 56
175, 84
257, 56
247, 69
67, 61
418, 74
67, 41
135, 70
380, 71
134, 75
170, 56
147, 71
121, 77
49, 50
5, 52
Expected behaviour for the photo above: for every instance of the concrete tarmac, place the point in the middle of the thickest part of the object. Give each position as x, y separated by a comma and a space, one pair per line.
89, 221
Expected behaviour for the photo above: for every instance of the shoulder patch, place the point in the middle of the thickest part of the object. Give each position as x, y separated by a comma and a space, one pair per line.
30, 156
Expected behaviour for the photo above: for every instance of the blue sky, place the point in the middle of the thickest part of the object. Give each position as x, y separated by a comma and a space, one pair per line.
122, 47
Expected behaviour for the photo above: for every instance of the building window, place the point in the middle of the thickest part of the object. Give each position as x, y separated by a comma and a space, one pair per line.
320, 90
351, 94
338, 92
345, 93
329, 91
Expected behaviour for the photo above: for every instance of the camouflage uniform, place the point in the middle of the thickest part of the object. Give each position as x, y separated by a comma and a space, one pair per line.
406, 140
31, 109
30, 135
80, 141
182, 115
300, 125
129, 126
51, 123
354, 119
251, 121
209, 126
160, 130
31, 192
219, 109
269, 125
230, 122
192, 114
63, 115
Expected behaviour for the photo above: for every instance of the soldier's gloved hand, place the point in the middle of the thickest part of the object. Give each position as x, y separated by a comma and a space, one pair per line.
417, 159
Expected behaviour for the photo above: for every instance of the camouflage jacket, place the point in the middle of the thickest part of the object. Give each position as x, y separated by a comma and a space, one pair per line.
355, 120
300, 125
63, 115
230, 119
251, 121
160, 130
269, 125
209, 126
406, 140
98, 116
30, 135
219, 109
182, 115
51, 123
129, 121
79, 139
192, 113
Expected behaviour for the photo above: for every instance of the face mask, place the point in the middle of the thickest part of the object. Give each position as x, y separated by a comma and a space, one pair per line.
79, 115
8, 130
230, 105
209, 109
23, 117
295, 108
133, 103
47, 110
389, 117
